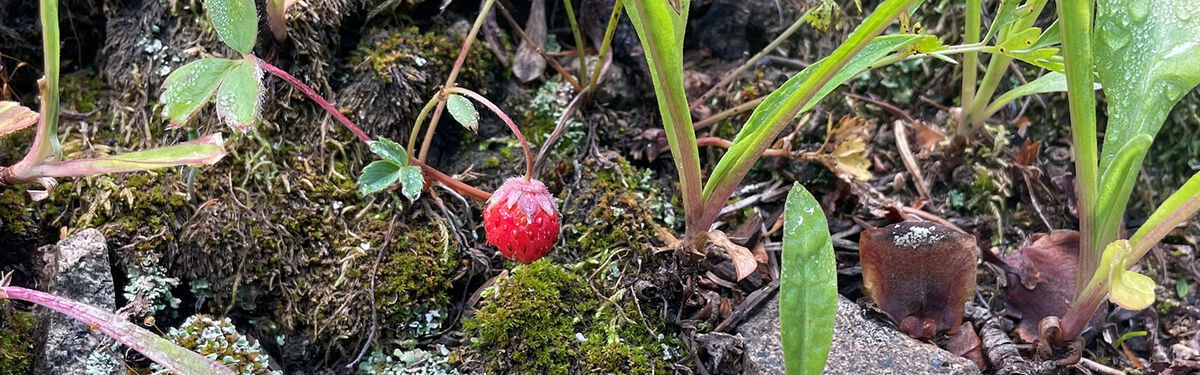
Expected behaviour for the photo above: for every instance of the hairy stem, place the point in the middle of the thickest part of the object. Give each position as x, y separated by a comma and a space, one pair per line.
308, 91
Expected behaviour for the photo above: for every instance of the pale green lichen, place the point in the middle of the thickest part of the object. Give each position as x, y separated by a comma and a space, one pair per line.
220, 340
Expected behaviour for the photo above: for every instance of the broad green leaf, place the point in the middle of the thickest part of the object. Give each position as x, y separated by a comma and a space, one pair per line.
203, 151
1175, 210
1131, 290
808, 285
782, 105
1020, 40
377, 176
236, 22
463, 111
389, 150
1051, 37
1147, 57
411, 181
14, 116
240, 96
190, 87
176, 359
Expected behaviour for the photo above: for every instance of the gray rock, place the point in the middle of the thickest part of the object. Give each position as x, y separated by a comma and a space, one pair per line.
860, 346
77, 268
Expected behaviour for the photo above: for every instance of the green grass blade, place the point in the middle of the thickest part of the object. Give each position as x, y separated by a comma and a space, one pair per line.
1175, 210
799, 94
808, 286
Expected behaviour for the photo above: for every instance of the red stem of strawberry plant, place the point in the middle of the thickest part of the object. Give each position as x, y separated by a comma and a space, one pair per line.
507, 121
316, 98
434, 174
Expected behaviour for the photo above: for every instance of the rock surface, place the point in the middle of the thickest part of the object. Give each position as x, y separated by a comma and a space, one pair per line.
76, 268
860, 346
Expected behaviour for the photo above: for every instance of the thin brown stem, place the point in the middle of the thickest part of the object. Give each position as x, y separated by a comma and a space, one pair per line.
740, 108
724, 143
537, 47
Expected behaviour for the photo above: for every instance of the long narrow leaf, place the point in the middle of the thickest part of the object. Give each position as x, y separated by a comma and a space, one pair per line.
799, 94
202, 151
808, 285
1175, 210
173, 357
661, 28
1048, 83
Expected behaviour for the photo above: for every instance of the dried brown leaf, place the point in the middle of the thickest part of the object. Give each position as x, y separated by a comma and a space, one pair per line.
743, 260
14, 116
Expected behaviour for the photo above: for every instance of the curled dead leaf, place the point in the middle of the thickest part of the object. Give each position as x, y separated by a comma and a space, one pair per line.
14, 116
743, 260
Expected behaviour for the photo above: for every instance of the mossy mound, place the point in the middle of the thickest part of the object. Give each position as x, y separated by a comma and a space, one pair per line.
628, 199
16, 340
545, 319
395, 71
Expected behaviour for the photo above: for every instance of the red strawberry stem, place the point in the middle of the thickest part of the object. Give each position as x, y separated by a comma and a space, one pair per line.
508, 121
432, 173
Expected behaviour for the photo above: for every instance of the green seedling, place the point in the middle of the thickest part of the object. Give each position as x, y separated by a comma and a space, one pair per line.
1146, 55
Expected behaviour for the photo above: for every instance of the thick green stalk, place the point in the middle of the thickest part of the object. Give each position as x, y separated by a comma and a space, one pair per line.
661, 28
970, 67
1075, 17
579, 46
45, 143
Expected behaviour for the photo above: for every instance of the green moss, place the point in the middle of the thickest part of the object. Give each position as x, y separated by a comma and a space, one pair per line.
17, 338
433, 52
544, 319
417, 273
627, 220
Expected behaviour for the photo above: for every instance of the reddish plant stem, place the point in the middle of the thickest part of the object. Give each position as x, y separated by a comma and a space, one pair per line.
434, 174
507, 121
313, 95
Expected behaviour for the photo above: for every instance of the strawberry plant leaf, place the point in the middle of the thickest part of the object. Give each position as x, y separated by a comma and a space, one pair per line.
389, 150
190, 87
236, 22
808, 286
411, 182
377, 176
463, 111
240, 96
14, 116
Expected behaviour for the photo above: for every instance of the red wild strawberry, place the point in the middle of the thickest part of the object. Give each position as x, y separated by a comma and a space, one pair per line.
521, 220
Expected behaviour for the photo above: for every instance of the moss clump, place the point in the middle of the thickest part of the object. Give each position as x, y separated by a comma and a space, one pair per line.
626, 221
539, 115
391, 54
544, 319
417, 274
16, 341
